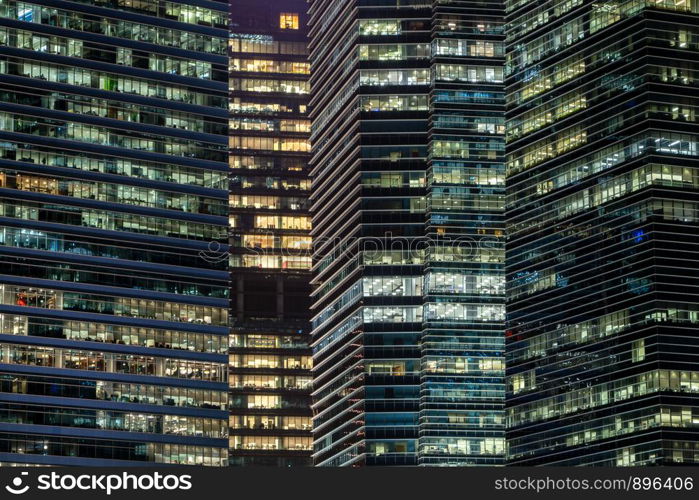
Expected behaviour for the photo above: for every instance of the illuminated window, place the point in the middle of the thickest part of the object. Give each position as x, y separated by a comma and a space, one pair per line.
258, 241
638, 350
288, 21
296, 242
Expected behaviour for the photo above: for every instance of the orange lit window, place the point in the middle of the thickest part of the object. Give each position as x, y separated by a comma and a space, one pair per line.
288, 21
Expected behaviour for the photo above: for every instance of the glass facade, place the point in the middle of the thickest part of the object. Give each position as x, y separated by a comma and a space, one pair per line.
602, 223
270, 357
113, 186
408, 218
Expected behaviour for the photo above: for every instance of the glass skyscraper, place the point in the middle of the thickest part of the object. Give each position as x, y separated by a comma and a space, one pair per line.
407, 200
602, 212
113, 223
270, 357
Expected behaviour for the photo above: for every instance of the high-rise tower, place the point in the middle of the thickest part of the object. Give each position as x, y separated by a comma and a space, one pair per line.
407, 200
270, 357
602, 215
113, 217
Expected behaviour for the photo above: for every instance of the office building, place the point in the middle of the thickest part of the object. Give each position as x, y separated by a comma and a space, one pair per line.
602, 217
270, 358
113, 232
407, 198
